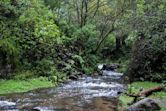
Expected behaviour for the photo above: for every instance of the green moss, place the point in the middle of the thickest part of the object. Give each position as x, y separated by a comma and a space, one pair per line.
14, 86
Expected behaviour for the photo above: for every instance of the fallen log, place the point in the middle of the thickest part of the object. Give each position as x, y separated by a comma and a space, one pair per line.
148, 92
145, 93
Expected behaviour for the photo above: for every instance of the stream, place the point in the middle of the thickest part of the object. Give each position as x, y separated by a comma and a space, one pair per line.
97, 93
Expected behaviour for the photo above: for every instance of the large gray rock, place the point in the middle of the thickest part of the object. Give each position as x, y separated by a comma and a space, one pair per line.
108, 67
146, 104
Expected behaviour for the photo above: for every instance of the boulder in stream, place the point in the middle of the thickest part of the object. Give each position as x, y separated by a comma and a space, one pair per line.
73, 77
108, 67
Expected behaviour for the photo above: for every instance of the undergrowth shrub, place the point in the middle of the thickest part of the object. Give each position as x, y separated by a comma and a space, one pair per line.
24, 75
45, 67
10, 52
148, 60
28, 34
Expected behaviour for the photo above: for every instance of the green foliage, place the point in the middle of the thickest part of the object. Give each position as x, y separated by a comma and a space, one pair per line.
90, 63
45, 68
130, 89
79, 59
147, 63
44, 35
58, 78
149, 49
24, 75
87, 35
41, 34
52, 3
88, 70
124, 62
158, 76
11, 11
28, 32
92, 59
140, 7
110, 41
130, 39
87, 63
10, 52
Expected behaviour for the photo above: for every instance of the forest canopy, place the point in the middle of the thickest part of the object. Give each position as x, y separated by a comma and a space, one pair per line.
59, 38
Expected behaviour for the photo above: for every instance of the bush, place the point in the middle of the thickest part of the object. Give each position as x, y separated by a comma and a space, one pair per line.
9, 52
28, 33
45, 68
24, 75
86, 37
148, 60
9, 57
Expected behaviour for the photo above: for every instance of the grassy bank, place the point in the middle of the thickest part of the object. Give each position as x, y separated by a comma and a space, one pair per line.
15, 86
135, 87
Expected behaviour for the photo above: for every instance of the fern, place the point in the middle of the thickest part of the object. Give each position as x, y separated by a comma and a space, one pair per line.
80, 60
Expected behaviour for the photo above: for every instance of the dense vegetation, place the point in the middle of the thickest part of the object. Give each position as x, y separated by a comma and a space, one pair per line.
55, 39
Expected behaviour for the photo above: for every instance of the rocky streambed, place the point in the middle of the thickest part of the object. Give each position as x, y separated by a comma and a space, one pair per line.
98, 93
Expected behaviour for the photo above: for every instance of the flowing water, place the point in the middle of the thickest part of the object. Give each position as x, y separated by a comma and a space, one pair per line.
97, 93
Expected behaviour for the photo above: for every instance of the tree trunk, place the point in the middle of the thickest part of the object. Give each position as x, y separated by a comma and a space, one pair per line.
78, 12
118, 43
102, 40
97, 8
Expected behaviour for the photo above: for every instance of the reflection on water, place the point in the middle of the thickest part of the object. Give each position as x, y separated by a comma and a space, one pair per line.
87, 94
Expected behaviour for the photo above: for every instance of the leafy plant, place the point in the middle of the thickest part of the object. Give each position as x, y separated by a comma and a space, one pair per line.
46, 68
79, 59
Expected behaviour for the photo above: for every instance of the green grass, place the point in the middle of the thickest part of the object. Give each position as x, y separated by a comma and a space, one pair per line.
15, 86
125, 100
135, 87
145, 84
